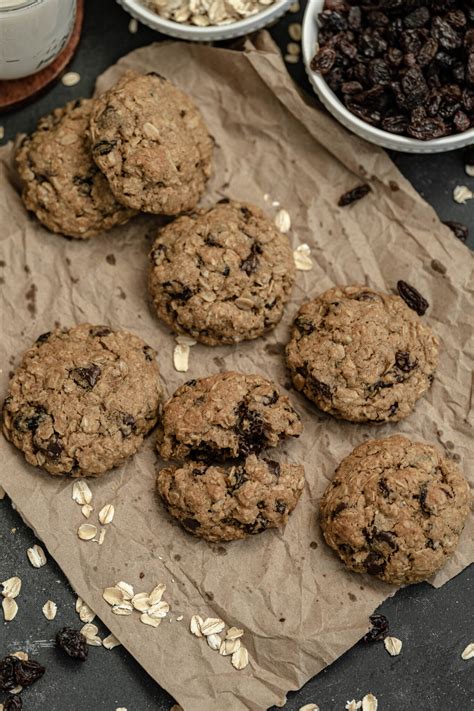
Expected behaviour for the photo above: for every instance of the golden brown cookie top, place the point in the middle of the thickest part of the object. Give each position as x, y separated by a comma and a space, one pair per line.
222, 503
361, 355
395, 509
221, 275
225, 416
61, 183
151, 142
82, 399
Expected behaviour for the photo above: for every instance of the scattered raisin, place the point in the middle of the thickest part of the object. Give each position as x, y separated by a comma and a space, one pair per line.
353, 195
460, 231
73, 643
17, 672
404, 362
102, 148
13, 703
412, 297
379, 630
86, 377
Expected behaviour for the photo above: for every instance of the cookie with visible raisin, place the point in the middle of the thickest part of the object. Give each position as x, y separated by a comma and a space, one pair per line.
150, 141
61, 183
82, 400
225, 416
221, 275
395, 509
227, 503
361, 355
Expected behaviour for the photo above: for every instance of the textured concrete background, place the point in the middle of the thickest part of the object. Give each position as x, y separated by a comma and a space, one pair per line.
435, 625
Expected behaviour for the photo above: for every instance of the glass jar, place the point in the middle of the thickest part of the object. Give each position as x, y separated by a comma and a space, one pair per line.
32, 34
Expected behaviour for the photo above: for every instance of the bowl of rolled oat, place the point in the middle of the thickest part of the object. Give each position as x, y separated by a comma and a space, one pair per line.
206, 20
399, 73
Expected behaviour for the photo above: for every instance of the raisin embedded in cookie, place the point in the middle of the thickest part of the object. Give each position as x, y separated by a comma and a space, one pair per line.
82, 400
221, 503
222, 275
225, 416
61, 183
395, 509
361, 355
151, 142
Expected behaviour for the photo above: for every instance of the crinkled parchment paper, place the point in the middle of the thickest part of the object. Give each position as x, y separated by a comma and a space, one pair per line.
299, 607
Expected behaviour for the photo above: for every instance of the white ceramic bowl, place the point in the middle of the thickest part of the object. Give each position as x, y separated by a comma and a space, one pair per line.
205, 34
356, 125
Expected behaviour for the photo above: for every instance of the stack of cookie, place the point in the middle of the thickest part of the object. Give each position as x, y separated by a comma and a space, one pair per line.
142, 145
223, 490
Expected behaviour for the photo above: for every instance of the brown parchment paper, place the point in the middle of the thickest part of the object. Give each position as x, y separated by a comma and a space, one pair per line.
299, 607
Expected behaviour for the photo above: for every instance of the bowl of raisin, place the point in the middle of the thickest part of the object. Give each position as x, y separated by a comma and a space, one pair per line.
399, 73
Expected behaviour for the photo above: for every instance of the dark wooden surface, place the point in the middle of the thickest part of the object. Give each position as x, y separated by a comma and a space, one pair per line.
435, 625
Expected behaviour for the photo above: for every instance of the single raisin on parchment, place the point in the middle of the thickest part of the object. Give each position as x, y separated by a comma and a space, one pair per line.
412, 297
354, 195
379, 630
73, 643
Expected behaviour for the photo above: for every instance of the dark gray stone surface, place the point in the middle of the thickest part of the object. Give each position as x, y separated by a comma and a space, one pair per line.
435, 625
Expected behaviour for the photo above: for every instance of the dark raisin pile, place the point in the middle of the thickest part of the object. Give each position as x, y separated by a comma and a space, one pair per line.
404, 66
17, 672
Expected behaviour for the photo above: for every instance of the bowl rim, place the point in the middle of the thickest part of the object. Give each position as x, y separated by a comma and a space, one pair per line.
138, 9
330, 99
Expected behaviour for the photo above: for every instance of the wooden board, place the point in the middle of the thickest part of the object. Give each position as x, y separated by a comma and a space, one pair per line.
15, 92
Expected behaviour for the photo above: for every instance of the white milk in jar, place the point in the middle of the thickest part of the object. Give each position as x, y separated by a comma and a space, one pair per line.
32, 34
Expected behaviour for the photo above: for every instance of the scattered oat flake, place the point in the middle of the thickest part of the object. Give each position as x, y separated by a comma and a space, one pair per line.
195, 625
10, 608
89, 630
79, 604
157, 593
302, 259
234, 633
461, 194
49, 610
469, 170
369, 703
468, 653
16, 690
81, 492
114, 595
123, 608
212, 625
126, 588
240, 658
87, 510
293, 48
393, 645
229, 646
133, 26
353, 705
101, 538
283, 221
121, 708
106, 514
214, 641
181, 358
141, 602
161, 609
71, 78
36, 556
309, 707
20, 655
294, 30
11, 587
110, 642
181, 617
294, 7
292, 58
87, 531
151, 621
85, 613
